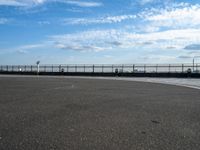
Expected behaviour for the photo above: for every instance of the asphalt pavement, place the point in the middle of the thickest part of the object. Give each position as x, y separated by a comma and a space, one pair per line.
89, 114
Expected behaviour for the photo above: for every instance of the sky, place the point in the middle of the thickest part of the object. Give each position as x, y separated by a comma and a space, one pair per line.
99, 31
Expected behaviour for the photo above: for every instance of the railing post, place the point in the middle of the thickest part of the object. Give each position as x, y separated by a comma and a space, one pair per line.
193, 65
59, 68
182, 68
93, 68
67, 68
112, 68
144, 68
133, 68
157, 68
75, 68
84, 68
196, 67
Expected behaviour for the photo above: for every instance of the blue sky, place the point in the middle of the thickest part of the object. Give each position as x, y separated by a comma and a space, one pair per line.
99, 31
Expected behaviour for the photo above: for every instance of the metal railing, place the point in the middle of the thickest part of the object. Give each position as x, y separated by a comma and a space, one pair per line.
124, 68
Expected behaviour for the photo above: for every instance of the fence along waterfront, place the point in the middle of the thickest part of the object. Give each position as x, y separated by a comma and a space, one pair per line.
121, 68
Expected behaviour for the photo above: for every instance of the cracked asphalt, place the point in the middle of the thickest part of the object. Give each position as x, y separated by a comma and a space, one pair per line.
89, 114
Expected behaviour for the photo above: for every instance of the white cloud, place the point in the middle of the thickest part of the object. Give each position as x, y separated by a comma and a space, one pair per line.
185, 57
182, 21
98, 40
25, 48
75, 10
170, 29
39, 1
94, 40
102, 20
192, 47
21, 51
21, 2
31, 46
84, 3
158, 58
44, 23
177, 16
146, 28
12, 3
29, 3
171, 38
84, 41
143, 2
82, 48
108, 56
4, 20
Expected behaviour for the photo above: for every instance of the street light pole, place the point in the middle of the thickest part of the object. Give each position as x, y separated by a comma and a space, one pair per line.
38, 67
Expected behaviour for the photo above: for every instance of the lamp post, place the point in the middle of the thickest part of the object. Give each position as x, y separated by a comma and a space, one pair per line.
38, 66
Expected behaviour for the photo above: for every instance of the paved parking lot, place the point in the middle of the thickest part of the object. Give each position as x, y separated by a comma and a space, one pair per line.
72, 113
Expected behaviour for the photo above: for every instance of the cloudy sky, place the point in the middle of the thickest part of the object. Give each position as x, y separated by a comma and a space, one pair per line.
99, 31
